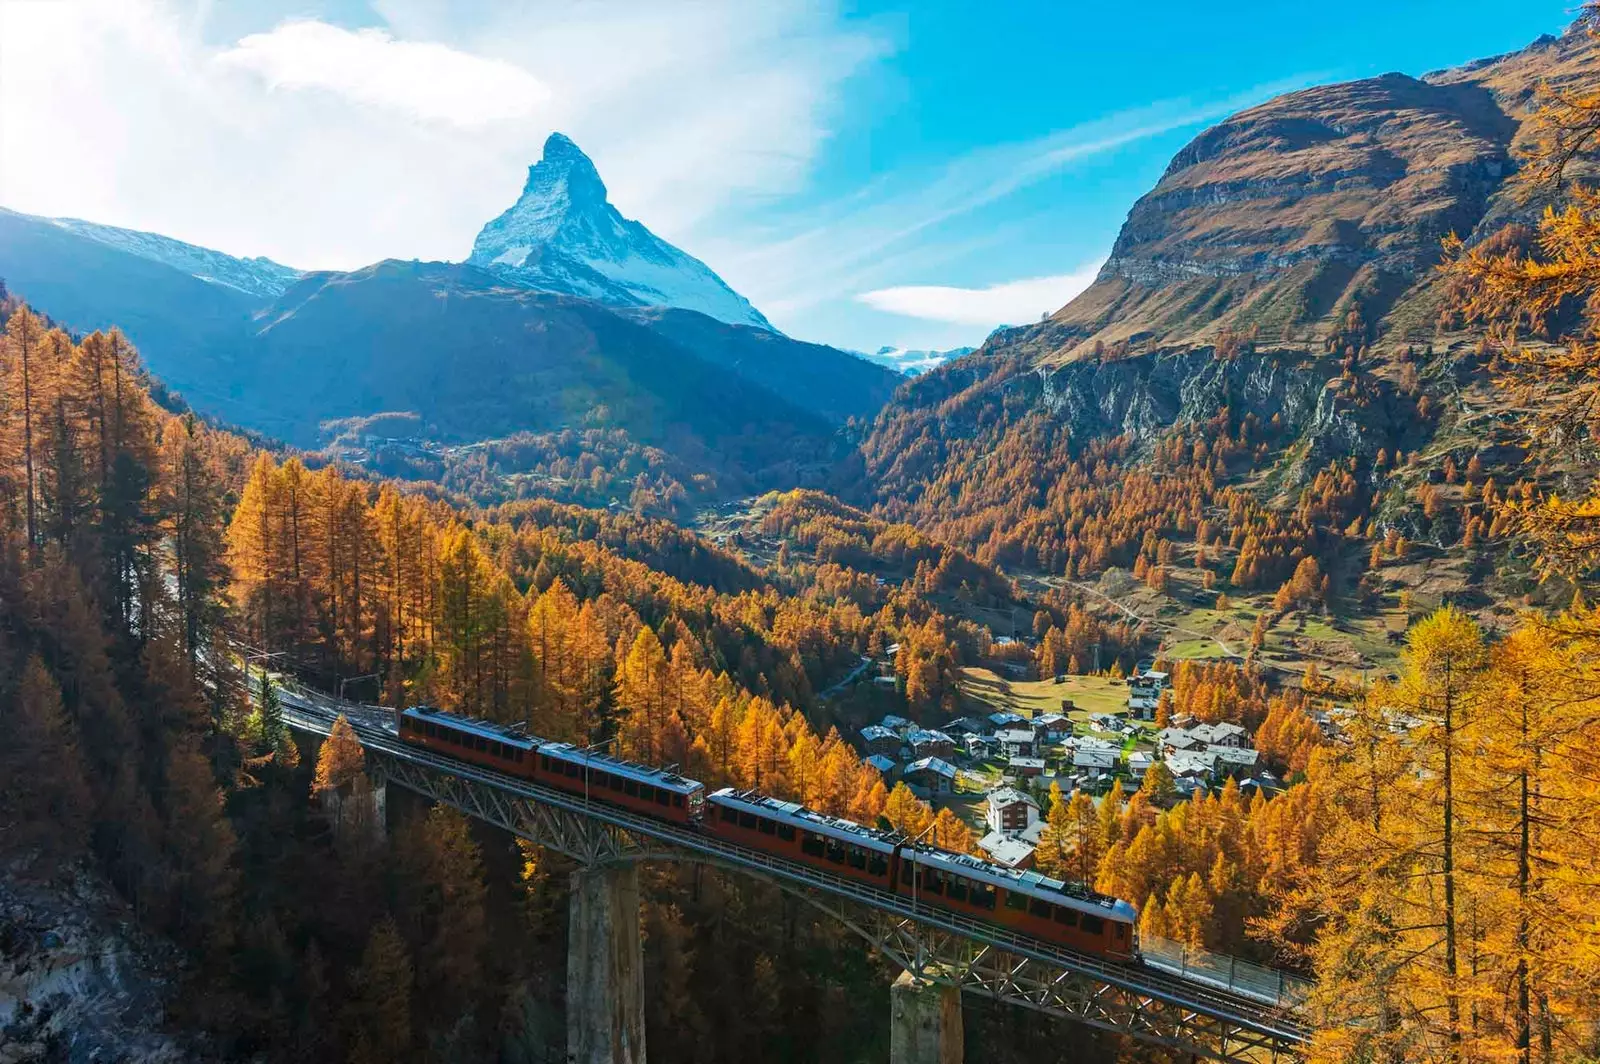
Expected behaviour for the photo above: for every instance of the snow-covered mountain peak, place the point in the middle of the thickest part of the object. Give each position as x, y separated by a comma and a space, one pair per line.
563, 235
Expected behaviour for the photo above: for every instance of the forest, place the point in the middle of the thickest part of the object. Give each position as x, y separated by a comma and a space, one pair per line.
1436, 868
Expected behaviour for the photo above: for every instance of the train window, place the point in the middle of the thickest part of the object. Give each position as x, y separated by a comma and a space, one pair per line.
747, 820
786, 832
765, 826
522, 755
1093, 925
1122, 932
857, 857
1016, 901
572, 770
728, 815
811, 844
494, 748
631, 788
933, 882
544, 762
1039, 908
835, 852
1066, 916
647, 793
614, 782
983, 895
429, 730
877, 864
663, 796
677, 800
958, 889
483, 746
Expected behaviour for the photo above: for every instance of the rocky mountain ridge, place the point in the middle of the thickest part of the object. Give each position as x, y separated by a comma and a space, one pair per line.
1281, 219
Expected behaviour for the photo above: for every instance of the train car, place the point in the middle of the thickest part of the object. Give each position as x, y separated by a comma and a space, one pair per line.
1036, 905
504, 747
652, 791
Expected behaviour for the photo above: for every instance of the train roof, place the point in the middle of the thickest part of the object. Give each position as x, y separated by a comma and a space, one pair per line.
512, 734
798, 815
1035, 884
657, 777
1056, 891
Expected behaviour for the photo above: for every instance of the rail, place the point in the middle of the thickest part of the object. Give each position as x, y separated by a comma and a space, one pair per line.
1253, 997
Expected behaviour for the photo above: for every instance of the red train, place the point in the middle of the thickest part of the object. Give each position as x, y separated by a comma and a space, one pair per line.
1027, 902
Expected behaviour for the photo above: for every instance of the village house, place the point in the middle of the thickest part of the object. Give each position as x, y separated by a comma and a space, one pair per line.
930, 776
982, 747
880, 740
885, 766
1004, 719
1139, 763
926, 743
1234, 762
898, 725
1056, 727
968, 726
1095, 759
1192, 764
1010, 810
1025, 767
1017, 741
1007, 850
1222, 734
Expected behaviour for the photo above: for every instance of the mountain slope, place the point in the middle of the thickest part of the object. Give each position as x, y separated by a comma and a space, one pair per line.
1284, 217
836, 384
476, 360
562, 235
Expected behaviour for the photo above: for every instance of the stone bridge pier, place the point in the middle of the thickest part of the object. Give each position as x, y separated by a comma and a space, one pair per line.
605, 967
924, 1022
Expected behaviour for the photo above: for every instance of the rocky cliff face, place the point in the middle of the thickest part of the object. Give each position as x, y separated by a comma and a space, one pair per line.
1284, 217
78, 982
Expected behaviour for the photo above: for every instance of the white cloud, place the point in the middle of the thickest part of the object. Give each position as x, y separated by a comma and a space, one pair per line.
326, 147
1011, 303
426, 79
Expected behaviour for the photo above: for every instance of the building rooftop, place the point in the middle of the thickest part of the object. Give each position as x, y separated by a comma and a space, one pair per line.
936, 765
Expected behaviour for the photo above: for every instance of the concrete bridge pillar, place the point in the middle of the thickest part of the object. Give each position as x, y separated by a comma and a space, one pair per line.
605, 968
924, 1022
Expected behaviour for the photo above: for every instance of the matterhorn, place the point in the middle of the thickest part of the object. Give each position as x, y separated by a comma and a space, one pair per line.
563, 235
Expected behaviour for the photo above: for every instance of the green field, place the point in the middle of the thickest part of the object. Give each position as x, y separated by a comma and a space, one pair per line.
984, 691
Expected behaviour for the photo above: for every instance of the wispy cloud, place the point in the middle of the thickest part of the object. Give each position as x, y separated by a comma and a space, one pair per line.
881, 233
425, 79
1010, 303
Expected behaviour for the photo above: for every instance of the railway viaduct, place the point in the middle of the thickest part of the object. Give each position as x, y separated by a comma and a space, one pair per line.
1200, 1005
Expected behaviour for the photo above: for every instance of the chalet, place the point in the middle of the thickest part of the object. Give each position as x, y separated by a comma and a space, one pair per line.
885, 766
1035, 830
1139, 763
982, 747
898, 725
1007, 851
1056, 727
880, 740
930, 776
1025, 767
1010, 811
1231, 761
1095, 759
1223, 734
925, 743
1018, 741
1192, 764
1003, 719
1176, 740
968, 726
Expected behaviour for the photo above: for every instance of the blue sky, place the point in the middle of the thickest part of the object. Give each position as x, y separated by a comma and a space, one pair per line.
868, 173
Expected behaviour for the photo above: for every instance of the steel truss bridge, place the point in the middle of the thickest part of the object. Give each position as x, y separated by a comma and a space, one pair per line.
1206, 1013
